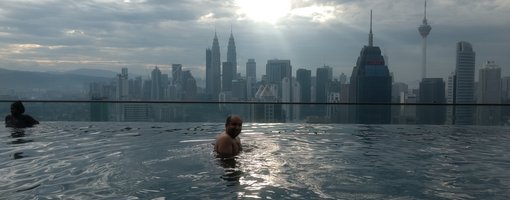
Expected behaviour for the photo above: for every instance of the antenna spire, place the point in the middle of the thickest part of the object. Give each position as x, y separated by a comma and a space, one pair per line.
425, 13
370, 35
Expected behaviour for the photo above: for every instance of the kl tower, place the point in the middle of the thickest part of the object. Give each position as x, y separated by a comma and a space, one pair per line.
424, 30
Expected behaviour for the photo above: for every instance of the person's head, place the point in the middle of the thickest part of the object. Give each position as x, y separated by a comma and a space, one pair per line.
233, 125
17, 108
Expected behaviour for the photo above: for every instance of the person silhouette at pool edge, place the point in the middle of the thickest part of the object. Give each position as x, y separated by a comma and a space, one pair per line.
17, 119
228, 143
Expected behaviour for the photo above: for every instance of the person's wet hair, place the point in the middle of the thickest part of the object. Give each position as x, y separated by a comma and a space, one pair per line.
229, 118
19, 106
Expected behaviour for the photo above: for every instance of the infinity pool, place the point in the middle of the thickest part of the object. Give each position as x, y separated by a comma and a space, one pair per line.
87, 160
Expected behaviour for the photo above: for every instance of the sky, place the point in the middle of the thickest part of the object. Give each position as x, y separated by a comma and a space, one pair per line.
57, 35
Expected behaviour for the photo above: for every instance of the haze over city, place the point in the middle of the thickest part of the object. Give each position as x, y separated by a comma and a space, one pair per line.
139, 35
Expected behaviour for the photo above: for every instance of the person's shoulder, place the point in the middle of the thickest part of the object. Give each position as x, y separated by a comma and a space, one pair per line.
8, 117
222, 136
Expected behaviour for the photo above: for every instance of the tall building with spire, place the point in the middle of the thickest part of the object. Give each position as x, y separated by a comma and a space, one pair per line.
213, 78
370, 83
424, 30
231, 54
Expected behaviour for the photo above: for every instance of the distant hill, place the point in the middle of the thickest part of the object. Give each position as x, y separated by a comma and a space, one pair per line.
23, 80
92, 72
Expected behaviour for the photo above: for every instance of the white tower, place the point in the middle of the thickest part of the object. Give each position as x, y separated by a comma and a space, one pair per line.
424, 30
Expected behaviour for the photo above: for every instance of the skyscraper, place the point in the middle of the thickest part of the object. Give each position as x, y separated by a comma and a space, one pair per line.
489, 92
251, 77
463, 91
432, 90
156, 85
215, 70
370, 83
232, 55
122, 85
324, 77
208, 72
276, 70
176, 74
251, 69
304, 77
227, 76
424, 30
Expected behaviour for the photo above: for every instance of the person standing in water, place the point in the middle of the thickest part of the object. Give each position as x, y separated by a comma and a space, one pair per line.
17, 119
228, 143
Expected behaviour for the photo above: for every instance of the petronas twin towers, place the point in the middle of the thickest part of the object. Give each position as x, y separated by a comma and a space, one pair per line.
218, 79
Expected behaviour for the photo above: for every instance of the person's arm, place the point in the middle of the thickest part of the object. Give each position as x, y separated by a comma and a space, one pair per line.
238, 140
8, 121
31, 120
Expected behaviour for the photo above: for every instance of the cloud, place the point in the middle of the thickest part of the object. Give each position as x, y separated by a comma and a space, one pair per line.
142, 33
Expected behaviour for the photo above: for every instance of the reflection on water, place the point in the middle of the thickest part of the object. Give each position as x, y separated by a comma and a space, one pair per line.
84, 160
232, 172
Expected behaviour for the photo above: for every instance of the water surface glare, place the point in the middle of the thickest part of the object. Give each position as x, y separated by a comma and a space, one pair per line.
89, 160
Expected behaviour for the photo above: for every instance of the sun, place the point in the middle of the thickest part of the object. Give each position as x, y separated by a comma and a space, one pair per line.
264, 10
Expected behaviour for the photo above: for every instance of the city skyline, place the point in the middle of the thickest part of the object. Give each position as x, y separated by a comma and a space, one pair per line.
142, 34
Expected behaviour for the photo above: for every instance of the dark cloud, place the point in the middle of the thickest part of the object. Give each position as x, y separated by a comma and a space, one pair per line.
140, 33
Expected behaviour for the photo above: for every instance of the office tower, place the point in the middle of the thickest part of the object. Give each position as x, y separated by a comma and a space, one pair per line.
251, 77
251, 69
213, 79
432, 91
98, 92
135, 88
227, 76
304, 77
239, 90
505, 87
464, 84
267, 113
343, 78
489, 92
176, 74
122, 85
232, 55
156, 85
147, 84
324, 77
189, 86
370, 83
276, 70
208, 72
290, 93
424, 30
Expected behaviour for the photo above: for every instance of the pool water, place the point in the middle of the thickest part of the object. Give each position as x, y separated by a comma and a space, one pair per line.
89, 160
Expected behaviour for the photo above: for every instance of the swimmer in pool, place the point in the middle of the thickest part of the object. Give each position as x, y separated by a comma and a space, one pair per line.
228, 143
17, 119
